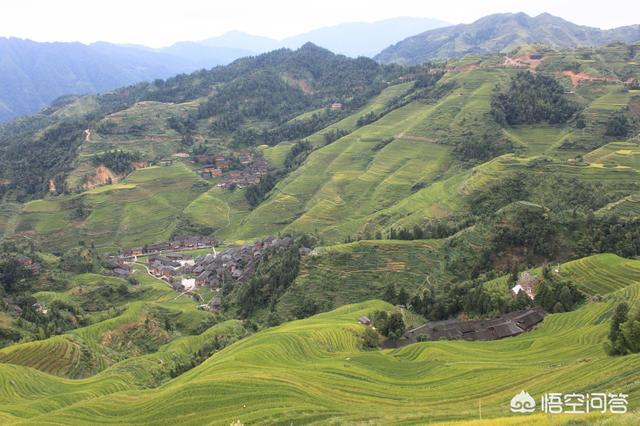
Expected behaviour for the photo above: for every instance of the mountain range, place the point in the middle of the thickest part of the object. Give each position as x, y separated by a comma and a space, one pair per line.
502, 33
33, 74
301, 237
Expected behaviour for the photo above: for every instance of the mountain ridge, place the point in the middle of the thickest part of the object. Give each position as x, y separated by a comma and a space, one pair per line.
34, 74
501, 33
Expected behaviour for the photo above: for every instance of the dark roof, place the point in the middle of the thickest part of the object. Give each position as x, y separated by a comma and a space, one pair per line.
510, 324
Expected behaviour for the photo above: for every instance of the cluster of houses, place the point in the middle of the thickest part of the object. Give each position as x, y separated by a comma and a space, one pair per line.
234, 265
178, 243
506, 325
250, 175
212, 165
219, 165
167, 266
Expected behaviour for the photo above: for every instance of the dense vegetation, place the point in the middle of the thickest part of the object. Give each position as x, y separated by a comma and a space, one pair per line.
624, 334
118, 161
532, 98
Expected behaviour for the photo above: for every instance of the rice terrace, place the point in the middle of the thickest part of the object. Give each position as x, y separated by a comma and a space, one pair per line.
387, 220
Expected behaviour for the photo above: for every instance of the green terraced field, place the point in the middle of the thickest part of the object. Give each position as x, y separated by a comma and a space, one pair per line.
341, 184
625, 154
348, 188
349, 273
313, 370
219, 209
143, 209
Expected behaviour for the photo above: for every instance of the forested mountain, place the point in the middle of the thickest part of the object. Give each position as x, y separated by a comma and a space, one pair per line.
272, 87
501, 33
33, 74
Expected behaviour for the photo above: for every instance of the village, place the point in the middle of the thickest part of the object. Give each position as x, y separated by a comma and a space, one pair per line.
235, 172
184, 272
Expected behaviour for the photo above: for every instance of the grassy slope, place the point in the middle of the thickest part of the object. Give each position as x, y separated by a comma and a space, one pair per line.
313, 370
341, 184
343, 189
142, 210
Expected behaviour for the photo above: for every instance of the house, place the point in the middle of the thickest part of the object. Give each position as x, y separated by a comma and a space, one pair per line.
188, 284
364, 320
154, 248
536, 56
167, 272
527, 283
336, 106
25, 261
205, 174
133, 251
202, 159
203, 278
506, 325
40, 308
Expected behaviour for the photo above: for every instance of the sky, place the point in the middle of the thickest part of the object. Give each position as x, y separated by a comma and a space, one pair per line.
160, 23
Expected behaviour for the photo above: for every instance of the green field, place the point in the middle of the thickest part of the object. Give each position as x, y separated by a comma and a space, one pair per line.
143, 209
313, 370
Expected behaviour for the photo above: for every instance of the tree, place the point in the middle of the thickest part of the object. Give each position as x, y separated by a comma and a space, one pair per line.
532, 98
12, 276
418, 233
403, 297
370, 338
390, 294
631, 332
616, 344
395, 326
618, 125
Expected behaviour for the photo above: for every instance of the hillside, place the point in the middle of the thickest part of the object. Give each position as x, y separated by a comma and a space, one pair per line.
395, 155
188, 109
34, 73
316, 370
501, 33
324, 188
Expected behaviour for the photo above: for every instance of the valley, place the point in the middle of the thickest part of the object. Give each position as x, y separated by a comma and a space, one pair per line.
249, 244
